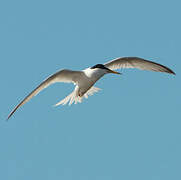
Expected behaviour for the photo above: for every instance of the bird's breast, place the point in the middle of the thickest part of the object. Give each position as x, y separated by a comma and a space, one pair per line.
93, 74
88, 80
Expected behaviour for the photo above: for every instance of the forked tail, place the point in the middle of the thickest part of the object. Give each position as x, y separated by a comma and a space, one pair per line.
74, 98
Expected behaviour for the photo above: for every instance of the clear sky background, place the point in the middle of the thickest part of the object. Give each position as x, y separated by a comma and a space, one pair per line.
129, 130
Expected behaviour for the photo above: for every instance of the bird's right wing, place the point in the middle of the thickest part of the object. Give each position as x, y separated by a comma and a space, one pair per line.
65, 75
136, 62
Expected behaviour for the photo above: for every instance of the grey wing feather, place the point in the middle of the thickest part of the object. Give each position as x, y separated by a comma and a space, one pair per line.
60, 76
136, 62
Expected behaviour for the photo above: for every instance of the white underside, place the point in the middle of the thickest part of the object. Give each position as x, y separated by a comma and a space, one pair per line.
74, 98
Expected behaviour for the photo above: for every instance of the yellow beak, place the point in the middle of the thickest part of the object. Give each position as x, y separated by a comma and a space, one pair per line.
114, 72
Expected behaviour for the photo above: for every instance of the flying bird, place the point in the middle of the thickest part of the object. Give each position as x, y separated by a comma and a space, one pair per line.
84, 80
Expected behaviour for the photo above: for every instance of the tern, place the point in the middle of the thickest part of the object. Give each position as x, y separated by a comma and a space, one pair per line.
84, 80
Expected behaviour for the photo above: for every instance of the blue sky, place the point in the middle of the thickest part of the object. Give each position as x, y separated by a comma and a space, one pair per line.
129, 130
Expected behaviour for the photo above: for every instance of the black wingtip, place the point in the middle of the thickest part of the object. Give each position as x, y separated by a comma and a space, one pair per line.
168, 70
171, 72
8, 117
12, 113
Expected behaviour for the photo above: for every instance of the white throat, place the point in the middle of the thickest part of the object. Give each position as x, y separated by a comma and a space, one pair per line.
94, 74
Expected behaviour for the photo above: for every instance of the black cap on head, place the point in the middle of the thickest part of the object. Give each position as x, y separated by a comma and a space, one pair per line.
101, 66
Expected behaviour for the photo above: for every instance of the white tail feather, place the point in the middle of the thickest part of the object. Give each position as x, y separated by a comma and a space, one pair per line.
74, 98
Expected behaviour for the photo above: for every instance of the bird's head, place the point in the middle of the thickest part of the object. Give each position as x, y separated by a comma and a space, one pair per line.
104, 68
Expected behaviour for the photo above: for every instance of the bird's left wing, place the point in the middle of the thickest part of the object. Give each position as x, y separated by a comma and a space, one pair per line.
136, 62
64, 75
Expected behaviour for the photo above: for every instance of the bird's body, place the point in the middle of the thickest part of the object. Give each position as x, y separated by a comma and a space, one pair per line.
84, 80
90, 77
